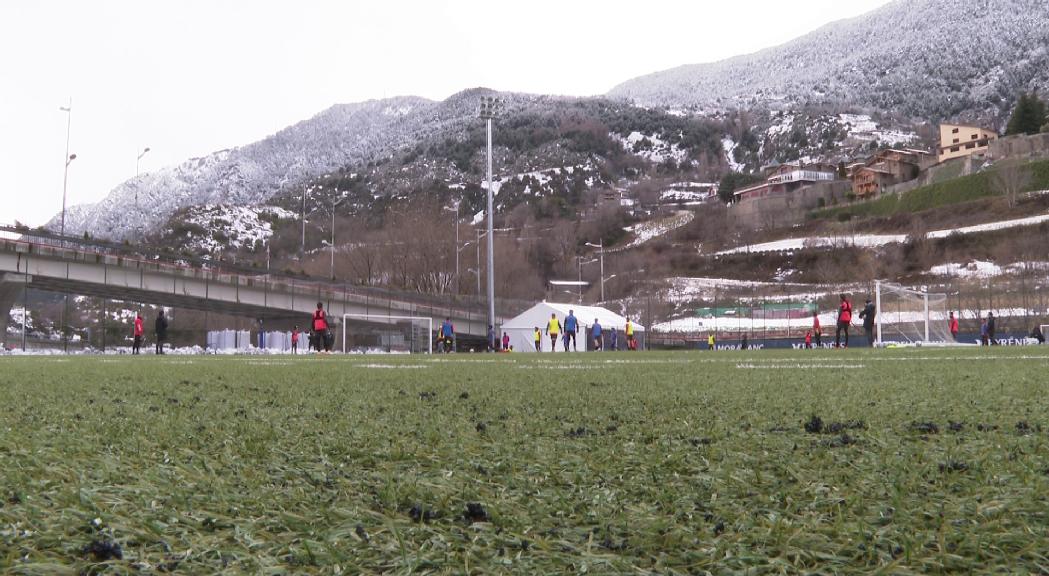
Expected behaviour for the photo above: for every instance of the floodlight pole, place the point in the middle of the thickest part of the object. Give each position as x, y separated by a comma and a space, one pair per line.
488, 111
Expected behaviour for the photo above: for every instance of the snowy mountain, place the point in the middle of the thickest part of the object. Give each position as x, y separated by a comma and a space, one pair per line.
930, 59
342, 135
545, 145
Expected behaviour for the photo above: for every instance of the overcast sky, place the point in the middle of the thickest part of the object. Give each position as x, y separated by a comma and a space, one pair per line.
190, 77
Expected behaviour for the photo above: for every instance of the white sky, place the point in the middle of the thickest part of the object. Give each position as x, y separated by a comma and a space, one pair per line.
189, 77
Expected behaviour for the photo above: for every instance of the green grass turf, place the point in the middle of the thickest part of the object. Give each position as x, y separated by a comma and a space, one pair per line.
642, 463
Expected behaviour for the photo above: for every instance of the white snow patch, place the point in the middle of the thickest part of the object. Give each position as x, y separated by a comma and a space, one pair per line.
873, 240
646, 231
729, 145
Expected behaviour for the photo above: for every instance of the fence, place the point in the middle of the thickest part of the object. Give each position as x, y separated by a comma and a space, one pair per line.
780, 314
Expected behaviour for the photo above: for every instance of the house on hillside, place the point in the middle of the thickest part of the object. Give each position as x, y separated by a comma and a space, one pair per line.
887, 168
783, 179
958, 140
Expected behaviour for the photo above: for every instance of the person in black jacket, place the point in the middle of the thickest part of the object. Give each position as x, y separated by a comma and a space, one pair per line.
867, 315
160, 330
990, 329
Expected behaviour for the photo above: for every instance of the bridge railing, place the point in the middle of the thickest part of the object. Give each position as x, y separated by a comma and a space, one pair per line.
45, 244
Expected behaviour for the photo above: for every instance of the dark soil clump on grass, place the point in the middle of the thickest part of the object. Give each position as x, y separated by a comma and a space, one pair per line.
578, 432
953, 466
102, 550
475, 512
955, 426
925, 427
814, 425
420, 513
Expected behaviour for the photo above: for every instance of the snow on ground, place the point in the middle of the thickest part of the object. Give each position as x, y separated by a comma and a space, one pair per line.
981, 269
240, 226
872, 240
684, 290
540, 177
646, 231
862, 127
976, 269
729, 145
650, 147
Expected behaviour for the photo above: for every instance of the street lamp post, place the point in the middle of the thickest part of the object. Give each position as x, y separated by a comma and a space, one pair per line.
137, 162
489, 109
601, 252
62, 229
334, 202
69, 158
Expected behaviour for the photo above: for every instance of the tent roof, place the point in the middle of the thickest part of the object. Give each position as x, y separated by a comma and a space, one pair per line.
538, 315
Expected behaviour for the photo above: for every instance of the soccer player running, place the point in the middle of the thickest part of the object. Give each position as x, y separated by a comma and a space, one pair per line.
844, 319
599, 339
553, 328
538, 339
571, 327
630, 345
817, 331
867, 315
952, 325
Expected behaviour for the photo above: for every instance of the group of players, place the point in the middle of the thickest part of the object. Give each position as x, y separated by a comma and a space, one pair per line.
566, 333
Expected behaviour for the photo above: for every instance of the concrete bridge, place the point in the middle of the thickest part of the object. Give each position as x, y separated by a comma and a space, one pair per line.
85, 269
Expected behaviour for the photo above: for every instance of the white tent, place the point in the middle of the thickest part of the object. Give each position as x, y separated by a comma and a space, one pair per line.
521, 328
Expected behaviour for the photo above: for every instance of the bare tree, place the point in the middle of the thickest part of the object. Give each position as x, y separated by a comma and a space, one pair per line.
1010, 178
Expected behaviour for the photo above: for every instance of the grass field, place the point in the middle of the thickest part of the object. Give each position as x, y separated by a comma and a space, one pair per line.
917, 462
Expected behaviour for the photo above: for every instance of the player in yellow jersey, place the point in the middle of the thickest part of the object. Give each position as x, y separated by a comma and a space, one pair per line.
553, 328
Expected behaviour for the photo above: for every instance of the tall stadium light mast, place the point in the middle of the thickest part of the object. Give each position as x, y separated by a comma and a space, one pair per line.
489, 109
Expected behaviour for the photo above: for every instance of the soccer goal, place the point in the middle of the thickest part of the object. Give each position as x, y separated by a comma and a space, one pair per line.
386, 333
907, 316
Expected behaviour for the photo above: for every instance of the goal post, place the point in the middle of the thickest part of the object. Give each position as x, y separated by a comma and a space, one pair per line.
412, 334
908, 316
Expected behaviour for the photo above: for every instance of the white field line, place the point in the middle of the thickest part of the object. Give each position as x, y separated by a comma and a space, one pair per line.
798, 366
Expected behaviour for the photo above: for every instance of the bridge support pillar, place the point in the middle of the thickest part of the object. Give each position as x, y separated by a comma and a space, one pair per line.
11, 286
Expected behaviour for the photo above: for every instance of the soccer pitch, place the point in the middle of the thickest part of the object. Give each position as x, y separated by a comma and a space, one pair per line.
912, 461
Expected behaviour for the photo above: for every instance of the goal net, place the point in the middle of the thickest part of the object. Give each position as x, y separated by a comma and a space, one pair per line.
383, 333
907, 316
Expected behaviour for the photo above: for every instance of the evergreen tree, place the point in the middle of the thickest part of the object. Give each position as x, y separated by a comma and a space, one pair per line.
1028, 116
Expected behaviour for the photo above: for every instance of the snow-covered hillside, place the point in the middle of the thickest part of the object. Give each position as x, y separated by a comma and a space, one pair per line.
921, 58
252, 174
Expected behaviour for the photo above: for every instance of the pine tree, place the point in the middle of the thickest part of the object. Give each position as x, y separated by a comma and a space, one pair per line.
1028, 116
